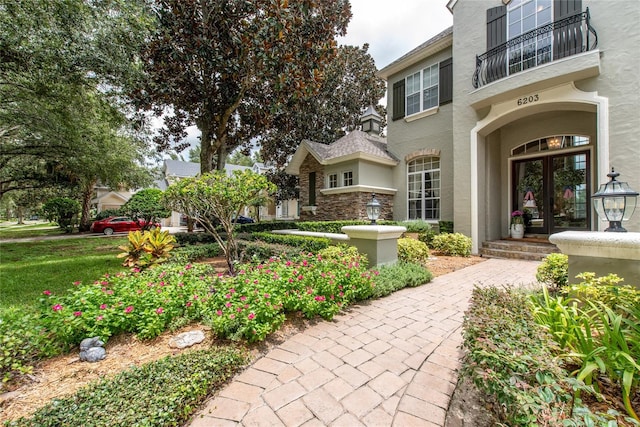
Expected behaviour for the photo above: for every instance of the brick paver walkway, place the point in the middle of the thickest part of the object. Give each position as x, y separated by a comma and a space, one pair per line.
388, 362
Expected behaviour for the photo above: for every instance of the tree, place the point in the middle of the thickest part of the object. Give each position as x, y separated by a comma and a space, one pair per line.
146, 205
60, 62
217, 198
226, 65
238, 158
63, 211
349, 87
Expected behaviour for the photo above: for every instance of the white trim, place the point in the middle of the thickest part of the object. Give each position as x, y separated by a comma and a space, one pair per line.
430, 112
505, 112
359, 188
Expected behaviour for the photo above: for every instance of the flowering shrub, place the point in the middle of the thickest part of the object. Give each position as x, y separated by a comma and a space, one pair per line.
249, 305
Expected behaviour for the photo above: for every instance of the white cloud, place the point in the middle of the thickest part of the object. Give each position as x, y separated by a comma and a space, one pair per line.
394, 27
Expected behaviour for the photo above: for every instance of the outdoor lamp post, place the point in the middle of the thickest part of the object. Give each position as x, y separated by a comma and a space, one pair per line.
615, 202
373, 209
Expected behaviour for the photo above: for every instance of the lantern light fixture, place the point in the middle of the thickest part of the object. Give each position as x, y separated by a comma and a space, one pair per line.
373, 209
615, 202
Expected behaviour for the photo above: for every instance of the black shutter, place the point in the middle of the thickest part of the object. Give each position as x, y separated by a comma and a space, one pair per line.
496, 26
446, 81
496, 36
567, 40
398, 100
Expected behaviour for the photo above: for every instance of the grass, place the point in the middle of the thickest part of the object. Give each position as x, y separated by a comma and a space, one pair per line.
10, 230
29, 268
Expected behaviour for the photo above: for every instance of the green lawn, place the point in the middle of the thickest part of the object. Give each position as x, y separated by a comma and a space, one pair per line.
29, 268
11, 230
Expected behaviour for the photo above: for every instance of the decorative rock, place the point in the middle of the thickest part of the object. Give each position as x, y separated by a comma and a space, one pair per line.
91, 350
186, 339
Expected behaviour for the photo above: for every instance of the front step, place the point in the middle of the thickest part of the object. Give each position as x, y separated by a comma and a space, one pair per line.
533, 250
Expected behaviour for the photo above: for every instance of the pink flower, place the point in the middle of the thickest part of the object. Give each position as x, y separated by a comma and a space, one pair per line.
243, 298
232, 291
77, 283
47, 292
189, 304
103, 306
135, 270
300, 277
288, 264
239, 309
129, 309
56, 307
188, 266
251, 316
305, 263
219, 312
267, 295
159, 310
232, 316
195, 297
104, 282
99, 318
77, 313
227, 296
320, 298
228, 305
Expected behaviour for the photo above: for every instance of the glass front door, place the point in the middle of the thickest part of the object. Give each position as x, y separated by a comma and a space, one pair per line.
553, 192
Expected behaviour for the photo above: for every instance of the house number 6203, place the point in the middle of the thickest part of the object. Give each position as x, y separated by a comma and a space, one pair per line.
528, 99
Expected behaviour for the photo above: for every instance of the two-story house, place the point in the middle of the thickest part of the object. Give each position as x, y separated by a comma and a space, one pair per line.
522, 104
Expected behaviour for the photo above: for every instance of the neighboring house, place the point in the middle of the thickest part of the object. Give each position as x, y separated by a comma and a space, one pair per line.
337, 180
174, 170
107, 199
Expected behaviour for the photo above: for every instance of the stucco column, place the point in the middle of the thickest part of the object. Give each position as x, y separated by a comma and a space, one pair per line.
378, 242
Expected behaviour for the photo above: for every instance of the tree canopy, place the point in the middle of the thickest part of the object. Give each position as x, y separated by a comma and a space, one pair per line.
227, 65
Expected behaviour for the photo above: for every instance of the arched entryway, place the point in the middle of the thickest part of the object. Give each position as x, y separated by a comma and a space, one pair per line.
497, 164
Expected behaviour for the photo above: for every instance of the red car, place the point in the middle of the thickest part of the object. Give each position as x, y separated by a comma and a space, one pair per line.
117, 224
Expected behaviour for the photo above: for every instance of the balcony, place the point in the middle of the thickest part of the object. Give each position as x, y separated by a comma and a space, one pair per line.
570, 36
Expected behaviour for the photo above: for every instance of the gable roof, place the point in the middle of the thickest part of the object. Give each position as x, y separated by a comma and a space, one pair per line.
355, 145
434, 45
180, 169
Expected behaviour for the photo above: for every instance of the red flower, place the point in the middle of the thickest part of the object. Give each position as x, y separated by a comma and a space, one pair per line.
56, 307
47, 292
77, 313
251, 316
129, 309
159, 310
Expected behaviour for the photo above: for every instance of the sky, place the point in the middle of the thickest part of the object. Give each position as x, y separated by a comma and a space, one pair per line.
394, 27
391, 27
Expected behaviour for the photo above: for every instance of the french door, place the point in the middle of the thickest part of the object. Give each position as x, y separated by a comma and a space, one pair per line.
553, 192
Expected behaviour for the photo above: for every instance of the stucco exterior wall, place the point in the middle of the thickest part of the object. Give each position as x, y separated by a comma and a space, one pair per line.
432, 132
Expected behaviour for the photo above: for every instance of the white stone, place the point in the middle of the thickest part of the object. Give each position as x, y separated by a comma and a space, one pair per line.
187, 339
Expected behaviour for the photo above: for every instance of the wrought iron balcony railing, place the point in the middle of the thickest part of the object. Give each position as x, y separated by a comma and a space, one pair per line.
568, 36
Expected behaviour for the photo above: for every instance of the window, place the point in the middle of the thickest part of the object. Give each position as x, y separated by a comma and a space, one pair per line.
333, 180
312, 188
423, 188
522, 17
347, 178
422, 90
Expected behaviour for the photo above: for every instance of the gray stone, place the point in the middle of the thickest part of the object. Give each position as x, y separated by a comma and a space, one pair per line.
91, 350
186, 339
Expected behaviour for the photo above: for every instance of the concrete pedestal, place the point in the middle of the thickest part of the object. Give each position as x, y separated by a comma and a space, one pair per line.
601, 253
379, 242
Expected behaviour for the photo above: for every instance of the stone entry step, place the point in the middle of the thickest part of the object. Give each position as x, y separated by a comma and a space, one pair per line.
524, 249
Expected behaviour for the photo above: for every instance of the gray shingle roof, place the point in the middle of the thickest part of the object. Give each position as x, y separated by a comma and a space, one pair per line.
352, 143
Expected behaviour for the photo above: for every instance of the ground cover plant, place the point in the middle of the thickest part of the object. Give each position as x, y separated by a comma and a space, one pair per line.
166, 392
556, 360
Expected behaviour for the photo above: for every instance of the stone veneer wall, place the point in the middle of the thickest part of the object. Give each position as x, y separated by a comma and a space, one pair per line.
344, 206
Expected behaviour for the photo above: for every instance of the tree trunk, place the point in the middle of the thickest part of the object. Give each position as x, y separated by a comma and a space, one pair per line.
87, 192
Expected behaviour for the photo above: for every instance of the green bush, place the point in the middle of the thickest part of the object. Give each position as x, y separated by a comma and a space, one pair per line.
194, 238
328, 226
266, 226
394, 277
427, 237
301, 243
607, 290
445, 227
192, 253
338, 251
512, 361
162, 393
412, 250
416, 226
554, 270
63, 211
259, 250
452, 244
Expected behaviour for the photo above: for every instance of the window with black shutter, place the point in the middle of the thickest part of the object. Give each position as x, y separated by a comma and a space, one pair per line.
312, 188
398, 100
446, 81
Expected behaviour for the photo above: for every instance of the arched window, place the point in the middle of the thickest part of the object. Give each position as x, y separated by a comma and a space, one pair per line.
423, 188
